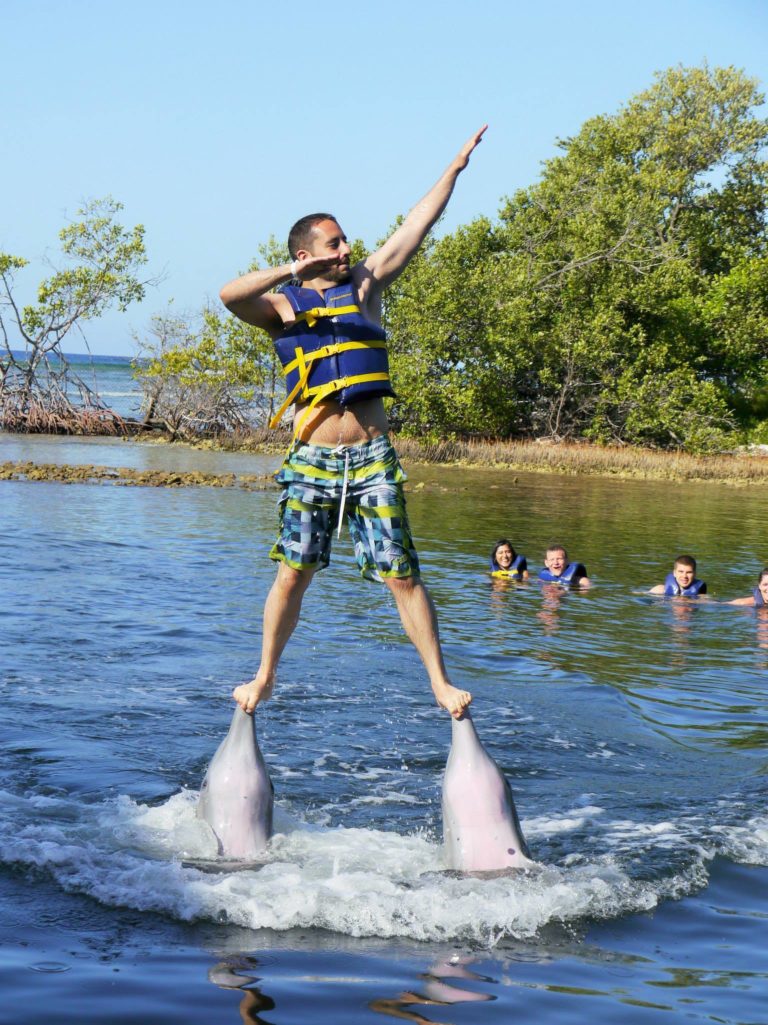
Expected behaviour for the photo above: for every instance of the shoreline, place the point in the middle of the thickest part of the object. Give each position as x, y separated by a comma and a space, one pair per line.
739, 469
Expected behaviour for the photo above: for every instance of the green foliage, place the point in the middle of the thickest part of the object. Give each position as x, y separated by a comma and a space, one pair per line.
103, 259
623, 297
101, 264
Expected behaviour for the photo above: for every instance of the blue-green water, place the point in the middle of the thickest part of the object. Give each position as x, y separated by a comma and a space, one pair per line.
109, 377
633, 731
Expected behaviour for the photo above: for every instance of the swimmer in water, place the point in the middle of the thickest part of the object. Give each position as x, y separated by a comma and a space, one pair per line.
681, 582
558, 570
506, 563
759, 596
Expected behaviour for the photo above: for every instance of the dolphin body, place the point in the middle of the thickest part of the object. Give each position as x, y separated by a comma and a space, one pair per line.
481, 830
237, 795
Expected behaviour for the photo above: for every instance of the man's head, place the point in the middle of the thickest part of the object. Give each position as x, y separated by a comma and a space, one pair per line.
320, 235
684, 570
556, 559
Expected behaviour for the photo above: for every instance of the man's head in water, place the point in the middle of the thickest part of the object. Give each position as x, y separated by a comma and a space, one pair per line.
556, 560
321, 235
684, 571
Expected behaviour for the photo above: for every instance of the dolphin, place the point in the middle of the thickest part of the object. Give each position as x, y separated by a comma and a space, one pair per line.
237, 795
481, 831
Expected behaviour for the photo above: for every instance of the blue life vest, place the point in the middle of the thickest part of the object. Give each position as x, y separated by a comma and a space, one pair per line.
759, 600
518, 567
331, 350
572, 572
673, 590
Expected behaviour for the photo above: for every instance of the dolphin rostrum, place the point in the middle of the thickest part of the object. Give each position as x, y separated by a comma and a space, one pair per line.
481, 831
237, 794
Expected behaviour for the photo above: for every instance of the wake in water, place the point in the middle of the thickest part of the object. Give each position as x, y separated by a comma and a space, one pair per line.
358, 882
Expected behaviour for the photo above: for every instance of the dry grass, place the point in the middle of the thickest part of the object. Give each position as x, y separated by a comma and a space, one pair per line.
577, 459
739, 468
547, 457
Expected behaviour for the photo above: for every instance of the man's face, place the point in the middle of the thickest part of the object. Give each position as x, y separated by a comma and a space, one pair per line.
683, 575
556, 560
504, 556
329, 240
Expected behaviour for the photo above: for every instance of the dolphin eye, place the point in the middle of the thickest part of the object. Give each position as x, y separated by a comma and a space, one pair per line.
510, 850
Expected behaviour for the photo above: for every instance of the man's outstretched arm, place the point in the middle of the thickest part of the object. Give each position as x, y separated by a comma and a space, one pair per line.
387, 262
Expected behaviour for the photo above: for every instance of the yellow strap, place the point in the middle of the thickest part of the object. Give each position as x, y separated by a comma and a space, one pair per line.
332, 386
328, 350
312, 316
303, 363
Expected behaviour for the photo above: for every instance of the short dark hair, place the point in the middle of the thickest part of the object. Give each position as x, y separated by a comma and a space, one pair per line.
300, 235
686, 560
555, 547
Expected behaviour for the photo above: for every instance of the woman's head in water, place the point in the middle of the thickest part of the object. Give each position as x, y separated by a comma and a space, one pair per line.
503, 554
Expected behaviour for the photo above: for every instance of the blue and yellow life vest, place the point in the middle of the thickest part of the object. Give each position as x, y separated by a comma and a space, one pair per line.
759, 600
518, 567
331, 350
572, 572
673, 590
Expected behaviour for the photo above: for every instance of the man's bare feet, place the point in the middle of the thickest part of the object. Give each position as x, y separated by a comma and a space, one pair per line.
249, 695
451, 698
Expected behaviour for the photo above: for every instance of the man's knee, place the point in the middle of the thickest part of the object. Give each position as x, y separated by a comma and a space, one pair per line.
293, 580
403, 585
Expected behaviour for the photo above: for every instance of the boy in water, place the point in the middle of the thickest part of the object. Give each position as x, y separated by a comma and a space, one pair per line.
558, 570
681, 582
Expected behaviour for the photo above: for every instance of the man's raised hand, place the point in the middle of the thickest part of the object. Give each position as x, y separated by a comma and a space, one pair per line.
474, 140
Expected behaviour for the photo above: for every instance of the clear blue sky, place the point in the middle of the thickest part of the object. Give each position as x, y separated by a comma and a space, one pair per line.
217, 125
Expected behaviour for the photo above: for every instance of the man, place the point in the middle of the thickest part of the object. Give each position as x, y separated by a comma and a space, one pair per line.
342, 461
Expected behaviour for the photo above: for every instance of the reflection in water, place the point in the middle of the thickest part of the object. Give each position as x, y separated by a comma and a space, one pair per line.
239, 973
551, 600
500, 594
681, 610
436, 991
761, 630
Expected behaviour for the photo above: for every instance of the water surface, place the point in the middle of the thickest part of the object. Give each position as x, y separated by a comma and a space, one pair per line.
632, 730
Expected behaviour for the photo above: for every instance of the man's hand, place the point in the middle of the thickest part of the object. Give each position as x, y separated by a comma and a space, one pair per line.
462, 158
312, 267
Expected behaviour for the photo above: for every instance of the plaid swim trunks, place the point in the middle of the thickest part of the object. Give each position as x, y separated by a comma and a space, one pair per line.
313, 479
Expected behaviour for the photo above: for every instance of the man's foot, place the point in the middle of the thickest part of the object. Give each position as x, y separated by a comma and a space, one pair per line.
249, 695
451, 698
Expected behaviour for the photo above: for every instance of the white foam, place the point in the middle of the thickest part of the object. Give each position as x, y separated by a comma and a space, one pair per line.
747, 844
568, 822
360, 882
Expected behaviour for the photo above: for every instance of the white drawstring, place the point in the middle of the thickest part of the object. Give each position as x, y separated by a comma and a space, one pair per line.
337, 451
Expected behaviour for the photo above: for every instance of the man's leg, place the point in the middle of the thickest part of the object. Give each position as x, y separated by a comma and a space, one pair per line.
281, 614
417, 614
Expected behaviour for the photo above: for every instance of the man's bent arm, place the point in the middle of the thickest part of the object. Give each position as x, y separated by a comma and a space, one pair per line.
246, 296
391, 259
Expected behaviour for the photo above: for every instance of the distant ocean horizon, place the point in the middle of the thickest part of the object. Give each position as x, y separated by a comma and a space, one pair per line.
110, 377
80, 358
